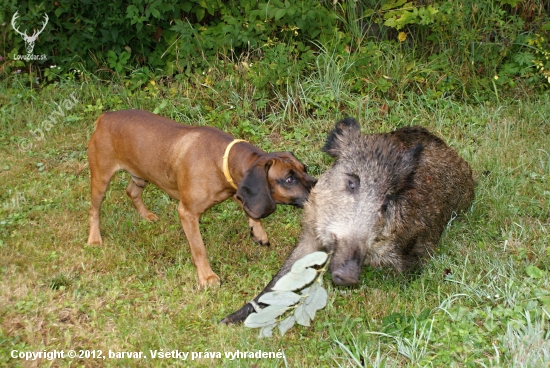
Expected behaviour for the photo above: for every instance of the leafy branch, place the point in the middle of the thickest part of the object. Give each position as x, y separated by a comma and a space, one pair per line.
300, 308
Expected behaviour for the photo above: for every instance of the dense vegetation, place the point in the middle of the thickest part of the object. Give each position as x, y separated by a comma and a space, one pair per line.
464, 49
278, 74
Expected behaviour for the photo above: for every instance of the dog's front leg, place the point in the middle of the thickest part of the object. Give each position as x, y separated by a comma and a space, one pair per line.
257, 231
134, 191
190, 224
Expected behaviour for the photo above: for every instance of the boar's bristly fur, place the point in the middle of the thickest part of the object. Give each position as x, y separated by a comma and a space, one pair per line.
385, 202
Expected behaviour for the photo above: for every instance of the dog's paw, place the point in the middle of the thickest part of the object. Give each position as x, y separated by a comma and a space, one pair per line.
266, 244
209, 281
151, 217
95, 240
148, 215
261, 239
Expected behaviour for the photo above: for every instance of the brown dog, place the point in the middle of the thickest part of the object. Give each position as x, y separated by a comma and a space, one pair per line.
197, 165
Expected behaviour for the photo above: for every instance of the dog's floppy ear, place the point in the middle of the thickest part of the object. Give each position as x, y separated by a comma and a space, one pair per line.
254, 193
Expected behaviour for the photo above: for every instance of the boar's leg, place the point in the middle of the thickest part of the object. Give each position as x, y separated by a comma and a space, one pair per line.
307, 244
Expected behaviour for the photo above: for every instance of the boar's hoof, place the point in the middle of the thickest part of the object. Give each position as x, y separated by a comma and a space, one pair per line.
239, 316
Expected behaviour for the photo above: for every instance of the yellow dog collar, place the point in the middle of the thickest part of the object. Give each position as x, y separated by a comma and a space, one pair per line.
226, 162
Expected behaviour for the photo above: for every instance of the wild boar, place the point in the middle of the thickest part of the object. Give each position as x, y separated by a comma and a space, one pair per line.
385, 202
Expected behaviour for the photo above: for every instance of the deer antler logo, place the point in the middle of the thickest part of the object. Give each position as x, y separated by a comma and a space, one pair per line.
29, 40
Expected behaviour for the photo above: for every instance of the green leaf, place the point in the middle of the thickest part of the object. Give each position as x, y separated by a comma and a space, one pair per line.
396, 4
295, 280
186, 6
279, 14
368, 13
523, 58
512, 3
199, 13
286, 324
312, 259
544, 300
160, 108
265, 317
124, 56
131, 11
111, 55
534, 272
400, 20
283, 298
114, 34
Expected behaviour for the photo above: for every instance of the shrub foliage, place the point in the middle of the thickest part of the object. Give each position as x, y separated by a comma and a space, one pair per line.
441, 46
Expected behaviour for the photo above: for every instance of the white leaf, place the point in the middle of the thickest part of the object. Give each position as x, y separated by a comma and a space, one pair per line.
286, 324
286, 298
265, 317
316, 300
292, 280
312, 298
302, 318
267, 331
312, 259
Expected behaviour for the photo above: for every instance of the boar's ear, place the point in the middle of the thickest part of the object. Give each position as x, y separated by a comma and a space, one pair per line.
404, 170
343, 133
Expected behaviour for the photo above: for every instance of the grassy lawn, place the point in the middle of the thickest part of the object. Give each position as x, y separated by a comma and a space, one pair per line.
484, 300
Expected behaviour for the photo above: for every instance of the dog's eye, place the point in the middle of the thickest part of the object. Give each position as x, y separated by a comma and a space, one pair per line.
290, 180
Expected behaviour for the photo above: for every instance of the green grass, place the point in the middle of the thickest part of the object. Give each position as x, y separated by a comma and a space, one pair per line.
484, 300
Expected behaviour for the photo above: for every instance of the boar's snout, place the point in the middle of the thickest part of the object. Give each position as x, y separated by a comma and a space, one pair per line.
347, 274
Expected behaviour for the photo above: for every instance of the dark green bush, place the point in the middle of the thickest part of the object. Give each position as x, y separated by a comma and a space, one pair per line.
171, 35
444, 47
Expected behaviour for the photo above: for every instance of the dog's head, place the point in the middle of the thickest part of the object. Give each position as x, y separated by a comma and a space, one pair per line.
275, 178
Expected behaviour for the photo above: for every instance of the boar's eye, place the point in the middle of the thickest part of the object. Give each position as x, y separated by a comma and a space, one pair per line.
352, 182
386, 202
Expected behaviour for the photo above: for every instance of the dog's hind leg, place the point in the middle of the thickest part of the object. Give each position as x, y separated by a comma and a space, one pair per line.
134, 191
101, 174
